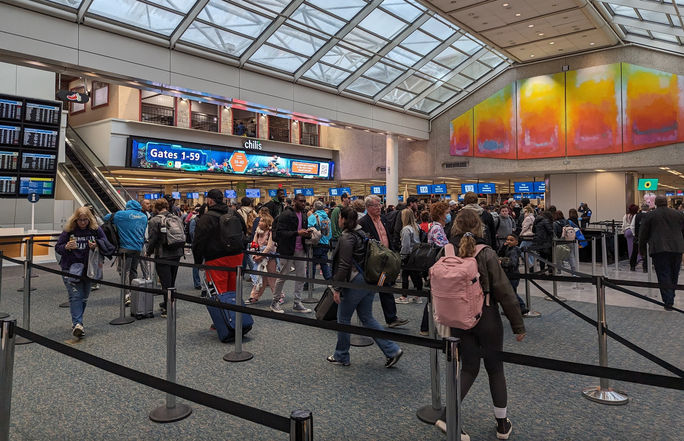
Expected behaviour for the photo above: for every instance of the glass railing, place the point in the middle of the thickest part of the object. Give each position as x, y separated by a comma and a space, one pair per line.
82, 191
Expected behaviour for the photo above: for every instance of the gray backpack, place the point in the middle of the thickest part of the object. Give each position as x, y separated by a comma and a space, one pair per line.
174, 230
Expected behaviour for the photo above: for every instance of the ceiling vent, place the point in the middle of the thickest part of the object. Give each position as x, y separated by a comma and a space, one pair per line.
460, 164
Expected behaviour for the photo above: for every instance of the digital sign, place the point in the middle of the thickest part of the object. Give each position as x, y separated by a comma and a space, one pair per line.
41, 186
170, 155
334, 191
517, 197
540, 187
344, 190
10, 109
229, 194
8, 185
274, 192
40, 138
8, 160
38, 161
252, 193
466, 188
486, 188
648, 184
176, 195
424, 189
379, 190
9, 135
523, 187
304, 191
439, 189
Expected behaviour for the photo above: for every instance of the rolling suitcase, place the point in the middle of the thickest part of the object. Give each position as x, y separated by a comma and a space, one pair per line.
142, 303
326, 309
223, 319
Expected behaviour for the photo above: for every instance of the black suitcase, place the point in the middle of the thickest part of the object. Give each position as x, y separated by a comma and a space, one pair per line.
326, 309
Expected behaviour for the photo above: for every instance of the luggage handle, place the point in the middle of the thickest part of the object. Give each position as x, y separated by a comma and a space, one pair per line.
211, 291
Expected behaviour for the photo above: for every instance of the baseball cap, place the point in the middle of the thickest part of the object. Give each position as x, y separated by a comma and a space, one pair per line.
216, 195
452, 203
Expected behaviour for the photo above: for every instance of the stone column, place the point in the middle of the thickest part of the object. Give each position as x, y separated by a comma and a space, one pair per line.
392, 171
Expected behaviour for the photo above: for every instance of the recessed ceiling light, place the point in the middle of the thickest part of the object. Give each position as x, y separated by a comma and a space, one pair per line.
530, 26
552, 42
599, 170
518, 14
505, 5
541, 34
531, 55
664, 168
592, 43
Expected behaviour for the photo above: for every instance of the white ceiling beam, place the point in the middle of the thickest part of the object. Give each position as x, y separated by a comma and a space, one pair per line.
476, 56
416, 67
656, 44
649, 26
386, 49
358, 18
270, 30
649, 6
187, 21
82, 10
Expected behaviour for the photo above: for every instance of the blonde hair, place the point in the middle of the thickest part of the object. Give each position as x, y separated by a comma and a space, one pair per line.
358, 205
468, 224
266, 219
408, 218
528, 209
71, 223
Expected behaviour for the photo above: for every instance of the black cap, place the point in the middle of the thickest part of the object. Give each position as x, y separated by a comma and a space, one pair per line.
411, 199
216, 195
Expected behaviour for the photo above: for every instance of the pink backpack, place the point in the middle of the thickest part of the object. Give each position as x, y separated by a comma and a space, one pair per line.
457, 295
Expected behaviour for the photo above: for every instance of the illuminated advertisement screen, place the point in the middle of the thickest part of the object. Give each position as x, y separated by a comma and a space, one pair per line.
170, 155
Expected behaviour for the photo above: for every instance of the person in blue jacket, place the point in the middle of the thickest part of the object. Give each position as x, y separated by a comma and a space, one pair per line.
131, 225
319, 220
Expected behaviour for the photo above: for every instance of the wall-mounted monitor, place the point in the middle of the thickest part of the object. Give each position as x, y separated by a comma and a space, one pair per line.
10, 134
42, 113
43, 162
35, 184
230, 194
11, 109
8, 160
8, 185
41, 138
176, 195
252, 193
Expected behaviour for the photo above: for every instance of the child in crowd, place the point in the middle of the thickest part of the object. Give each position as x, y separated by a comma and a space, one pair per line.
509, 257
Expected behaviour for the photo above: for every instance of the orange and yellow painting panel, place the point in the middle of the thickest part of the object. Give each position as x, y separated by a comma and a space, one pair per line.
461, 135
541, 116
494, 120
653, 109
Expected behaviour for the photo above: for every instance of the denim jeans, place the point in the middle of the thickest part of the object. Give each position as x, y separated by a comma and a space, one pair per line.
321, 252
361, 301
78, 298
197, 283
514, 284
667, 266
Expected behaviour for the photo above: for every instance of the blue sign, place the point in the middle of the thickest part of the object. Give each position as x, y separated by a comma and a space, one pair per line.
539, 196
466, 188
400, 198
439, 189
334, 191
424, 189
155, 196
274, 192
188, 196
195, 195
345, 190
486, 188
669, 193
35, 197
540, 187
147, 196
171, 155
41, 186
308, 191
379, 190
176, 195
461, 197
253, 193
523, 187
517, 197
230, 194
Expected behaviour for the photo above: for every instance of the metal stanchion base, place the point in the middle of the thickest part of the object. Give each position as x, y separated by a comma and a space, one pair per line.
22, 289
429, 414
236, 357
360, 341
532, 314
310, 299
604, 396
64, 305
3, 315
163, 414
562, 299
122, 321
22, 341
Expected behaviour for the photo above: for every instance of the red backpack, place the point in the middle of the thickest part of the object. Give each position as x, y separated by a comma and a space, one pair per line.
457, 295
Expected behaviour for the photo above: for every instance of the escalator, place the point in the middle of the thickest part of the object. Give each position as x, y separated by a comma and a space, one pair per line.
86, 176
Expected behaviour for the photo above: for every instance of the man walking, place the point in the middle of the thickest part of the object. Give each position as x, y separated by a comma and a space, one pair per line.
319, 220
275, 205
376, 228
663, 231
290, 234
335, 217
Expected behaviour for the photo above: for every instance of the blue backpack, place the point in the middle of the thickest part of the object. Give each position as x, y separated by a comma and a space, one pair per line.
579, 235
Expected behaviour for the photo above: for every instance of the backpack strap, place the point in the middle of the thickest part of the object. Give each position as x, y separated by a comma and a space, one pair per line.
449, 250
479, 248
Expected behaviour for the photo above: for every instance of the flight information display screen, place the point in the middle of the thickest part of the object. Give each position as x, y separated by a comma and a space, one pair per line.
9, 135
169, 155
8, 160
8, 185
10, 109
38, 161
40, 138
42, 186
42, 113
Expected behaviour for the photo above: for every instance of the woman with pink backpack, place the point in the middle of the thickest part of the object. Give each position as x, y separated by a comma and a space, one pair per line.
489, 286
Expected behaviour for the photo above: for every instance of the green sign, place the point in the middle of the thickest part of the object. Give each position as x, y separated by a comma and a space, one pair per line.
648, 184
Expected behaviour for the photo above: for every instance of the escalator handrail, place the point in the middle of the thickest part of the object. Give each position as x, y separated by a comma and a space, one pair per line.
62, 168
119, 184
100, 187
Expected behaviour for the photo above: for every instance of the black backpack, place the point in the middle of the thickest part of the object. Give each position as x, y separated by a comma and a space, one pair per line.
111, 232
231, 233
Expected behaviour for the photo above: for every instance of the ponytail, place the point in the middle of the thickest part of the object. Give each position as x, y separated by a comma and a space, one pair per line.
467, 246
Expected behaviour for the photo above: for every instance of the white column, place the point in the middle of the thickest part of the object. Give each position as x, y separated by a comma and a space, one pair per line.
392, 171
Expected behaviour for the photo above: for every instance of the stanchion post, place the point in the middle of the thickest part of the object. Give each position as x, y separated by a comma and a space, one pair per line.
310, 275
649, 266
603, 393
238, 354
360, 341
431, 413
528, 298
171, 411
26, 319
604, 254
2, 260
122, 319
555, 266
7, 341
28, 251
616, 250
453, 377
301, 425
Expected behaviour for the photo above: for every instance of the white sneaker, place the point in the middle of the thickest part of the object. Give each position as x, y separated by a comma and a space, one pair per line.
275, 307
127, 300
442, 426
78, 331
298, 307
402, 300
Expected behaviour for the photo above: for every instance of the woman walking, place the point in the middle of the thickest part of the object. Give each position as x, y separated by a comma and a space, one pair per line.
410, 236
348, 259
487, 335
81, 235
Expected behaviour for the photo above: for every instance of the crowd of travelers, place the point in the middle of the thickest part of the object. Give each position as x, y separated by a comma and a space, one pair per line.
286, 231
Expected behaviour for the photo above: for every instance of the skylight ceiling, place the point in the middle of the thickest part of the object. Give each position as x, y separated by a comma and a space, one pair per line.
394, 52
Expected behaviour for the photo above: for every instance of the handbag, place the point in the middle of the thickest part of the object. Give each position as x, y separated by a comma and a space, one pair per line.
422, 257
315, 236
76, 271
95, 264
326, 308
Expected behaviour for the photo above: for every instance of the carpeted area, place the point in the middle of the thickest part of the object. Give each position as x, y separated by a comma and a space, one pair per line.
55, 397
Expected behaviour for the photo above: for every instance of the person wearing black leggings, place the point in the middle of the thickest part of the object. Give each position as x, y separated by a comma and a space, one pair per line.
487, 335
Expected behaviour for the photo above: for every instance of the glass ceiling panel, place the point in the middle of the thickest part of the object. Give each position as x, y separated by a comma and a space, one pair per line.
434, 70
208, 36
383, 72
273, 6
346, 9
475, 70
460, 81
442, 94
420, 42
637, 31
450, 57
367, 87
365, 40
315, 19
177, 5
409, 11
383, 24
426, 105
666, 37
326, 74
465, 44
491, 59
403, 56
656, 17
278, 58
236, 19
625, 11
71, 3
296, 41
438, 28
399, 97
344, 58
415, 84
137, 14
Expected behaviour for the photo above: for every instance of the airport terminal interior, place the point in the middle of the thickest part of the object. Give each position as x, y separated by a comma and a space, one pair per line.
504, 107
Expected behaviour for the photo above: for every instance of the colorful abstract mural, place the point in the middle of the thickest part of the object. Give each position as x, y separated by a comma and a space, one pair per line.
461, 135
495, 125
541, 116
652, 107
593, 108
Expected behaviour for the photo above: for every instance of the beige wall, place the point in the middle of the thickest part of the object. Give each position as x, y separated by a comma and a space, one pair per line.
605, 193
